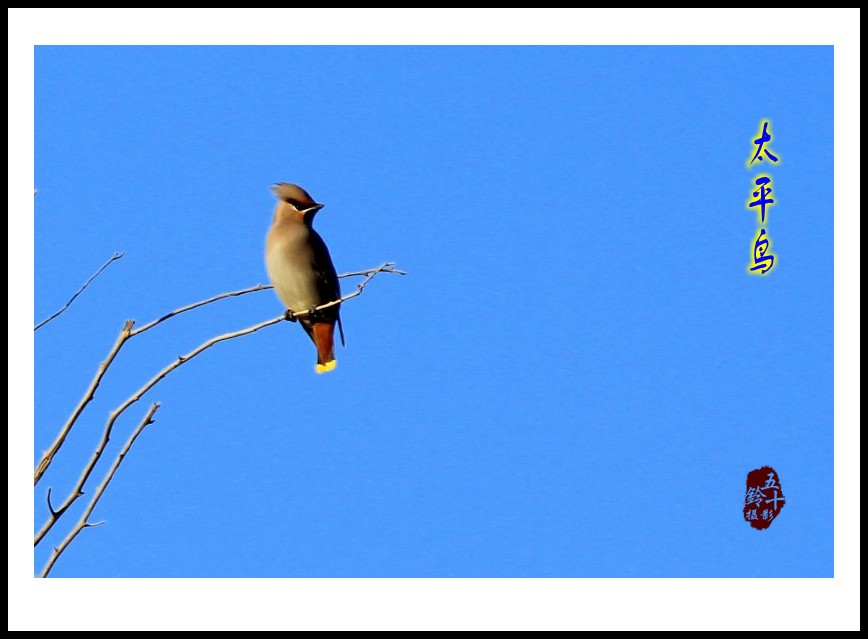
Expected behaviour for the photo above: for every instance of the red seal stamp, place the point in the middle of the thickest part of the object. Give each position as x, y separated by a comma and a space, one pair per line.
764, 497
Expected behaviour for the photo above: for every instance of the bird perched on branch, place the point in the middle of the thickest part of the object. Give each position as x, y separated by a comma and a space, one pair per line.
302, 272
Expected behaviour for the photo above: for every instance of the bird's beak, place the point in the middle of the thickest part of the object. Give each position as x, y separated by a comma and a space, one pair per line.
313, 209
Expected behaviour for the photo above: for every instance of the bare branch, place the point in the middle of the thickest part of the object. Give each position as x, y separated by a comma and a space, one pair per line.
127, 333
77, 491
387, 267
83, 523
190, 307
114, 257
48, 455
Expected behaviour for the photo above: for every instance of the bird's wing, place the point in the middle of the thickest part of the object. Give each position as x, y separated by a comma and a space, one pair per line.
328, 284
327, 281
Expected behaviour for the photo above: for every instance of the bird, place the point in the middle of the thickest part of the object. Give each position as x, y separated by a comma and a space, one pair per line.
302, 272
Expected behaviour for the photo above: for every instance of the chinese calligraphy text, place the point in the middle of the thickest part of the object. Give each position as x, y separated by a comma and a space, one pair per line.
761, 201
764, 497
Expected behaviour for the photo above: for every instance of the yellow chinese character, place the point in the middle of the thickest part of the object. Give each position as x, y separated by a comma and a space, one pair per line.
763, 258
764, 190
763, 136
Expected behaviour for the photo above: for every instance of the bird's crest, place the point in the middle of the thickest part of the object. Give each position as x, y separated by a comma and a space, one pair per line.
293, 194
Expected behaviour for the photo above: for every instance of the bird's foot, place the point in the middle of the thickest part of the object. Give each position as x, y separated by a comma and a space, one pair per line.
289, 316
313, 313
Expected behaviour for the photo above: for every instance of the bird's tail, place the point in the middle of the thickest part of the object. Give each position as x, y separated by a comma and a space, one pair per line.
323, 335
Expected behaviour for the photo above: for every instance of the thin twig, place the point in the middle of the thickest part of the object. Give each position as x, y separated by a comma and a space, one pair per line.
83, 523
48, 501
386, 267
114, 257
77, 491
48, 455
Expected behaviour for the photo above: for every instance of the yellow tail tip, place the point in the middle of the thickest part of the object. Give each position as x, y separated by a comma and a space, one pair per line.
325, 368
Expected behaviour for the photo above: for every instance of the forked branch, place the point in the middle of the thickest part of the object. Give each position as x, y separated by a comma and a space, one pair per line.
128, 332
83, 523
56, 513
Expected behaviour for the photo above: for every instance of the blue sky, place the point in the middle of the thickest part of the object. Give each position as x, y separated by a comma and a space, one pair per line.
575, 376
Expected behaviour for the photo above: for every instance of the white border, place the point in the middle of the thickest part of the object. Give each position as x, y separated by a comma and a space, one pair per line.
259, 604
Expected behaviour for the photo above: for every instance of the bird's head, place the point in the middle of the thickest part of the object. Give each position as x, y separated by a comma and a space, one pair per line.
297, 198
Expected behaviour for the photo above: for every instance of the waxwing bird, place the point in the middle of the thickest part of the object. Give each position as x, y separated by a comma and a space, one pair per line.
301, 270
